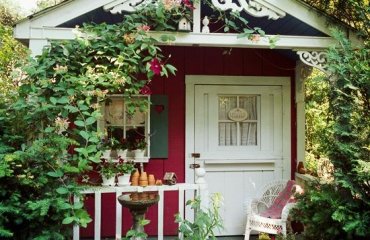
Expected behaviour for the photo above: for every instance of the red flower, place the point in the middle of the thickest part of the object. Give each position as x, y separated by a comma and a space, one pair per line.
188, 4
144, 28
146, 90
155, 66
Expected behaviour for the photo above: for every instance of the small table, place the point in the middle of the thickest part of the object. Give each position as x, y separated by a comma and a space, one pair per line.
138, 204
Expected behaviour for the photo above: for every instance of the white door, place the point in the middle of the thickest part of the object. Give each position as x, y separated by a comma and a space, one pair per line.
239, 135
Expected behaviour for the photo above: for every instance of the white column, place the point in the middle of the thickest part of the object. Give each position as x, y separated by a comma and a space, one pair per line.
302, 72
196, 18
97, 219
36, 46
76, 227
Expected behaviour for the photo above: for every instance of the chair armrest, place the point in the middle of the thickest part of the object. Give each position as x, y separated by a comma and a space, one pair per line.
286, 210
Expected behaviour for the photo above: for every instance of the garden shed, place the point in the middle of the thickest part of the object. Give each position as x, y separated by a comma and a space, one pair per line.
235, 106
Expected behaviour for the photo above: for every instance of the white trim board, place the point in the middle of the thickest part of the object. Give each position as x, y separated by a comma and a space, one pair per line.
189, 39
72, 9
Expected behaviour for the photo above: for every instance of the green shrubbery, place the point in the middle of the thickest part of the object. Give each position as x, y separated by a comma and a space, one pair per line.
341, 209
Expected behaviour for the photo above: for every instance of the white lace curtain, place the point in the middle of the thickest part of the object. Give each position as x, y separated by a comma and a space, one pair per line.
229, 130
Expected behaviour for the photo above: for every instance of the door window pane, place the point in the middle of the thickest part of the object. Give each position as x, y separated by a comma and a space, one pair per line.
237, 120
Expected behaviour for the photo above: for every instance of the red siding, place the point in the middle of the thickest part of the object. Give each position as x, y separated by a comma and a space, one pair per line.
196, 61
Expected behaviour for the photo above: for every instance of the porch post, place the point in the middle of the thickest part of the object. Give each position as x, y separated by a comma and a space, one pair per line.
301, 74
36, 46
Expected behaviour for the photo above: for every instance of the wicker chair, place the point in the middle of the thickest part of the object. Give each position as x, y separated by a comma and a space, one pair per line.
257, 208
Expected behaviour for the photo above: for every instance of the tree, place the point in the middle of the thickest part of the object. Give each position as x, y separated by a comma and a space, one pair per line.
355, 13
42, 4
12, 53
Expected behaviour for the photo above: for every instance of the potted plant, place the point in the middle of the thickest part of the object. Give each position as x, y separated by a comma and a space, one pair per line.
109, 147
124, 170
140, 146
108, 172
137, 141
122, 148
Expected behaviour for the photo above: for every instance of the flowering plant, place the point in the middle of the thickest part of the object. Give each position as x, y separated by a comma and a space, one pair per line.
108, 169
140, 143
110, 143
125, 167
123, 144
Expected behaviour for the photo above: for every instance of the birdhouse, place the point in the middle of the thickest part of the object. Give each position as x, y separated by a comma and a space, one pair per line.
170, 178
184, 24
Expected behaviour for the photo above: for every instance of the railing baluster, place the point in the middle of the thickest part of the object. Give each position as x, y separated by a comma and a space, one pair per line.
181, 205
76, 227
118, 217
160, 214
200, 188
97, 221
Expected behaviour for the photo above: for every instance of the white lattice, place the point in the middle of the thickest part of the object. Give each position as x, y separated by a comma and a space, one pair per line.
256, 8
267, 196
120, 6
314, 59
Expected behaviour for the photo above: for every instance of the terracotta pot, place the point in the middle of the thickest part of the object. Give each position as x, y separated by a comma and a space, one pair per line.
143, 176
143, 183
300, 168
135, 181
136, 174
151, 180
158, 182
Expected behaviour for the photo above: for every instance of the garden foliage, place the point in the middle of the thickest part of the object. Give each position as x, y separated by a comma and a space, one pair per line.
206, 221
49, 138
341, 209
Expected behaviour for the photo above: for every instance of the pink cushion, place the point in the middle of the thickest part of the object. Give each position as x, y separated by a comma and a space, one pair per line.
283, 198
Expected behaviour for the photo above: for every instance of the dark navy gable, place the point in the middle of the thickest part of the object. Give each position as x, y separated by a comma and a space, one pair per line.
98, 15
287, 25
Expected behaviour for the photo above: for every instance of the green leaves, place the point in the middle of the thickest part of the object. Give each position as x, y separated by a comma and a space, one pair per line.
206, 221
56, 174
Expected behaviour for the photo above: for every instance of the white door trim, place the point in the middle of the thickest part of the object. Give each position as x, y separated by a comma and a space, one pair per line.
192, 80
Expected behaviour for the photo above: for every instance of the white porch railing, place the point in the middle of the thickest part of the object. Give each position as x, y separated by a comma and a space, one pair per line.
200, 189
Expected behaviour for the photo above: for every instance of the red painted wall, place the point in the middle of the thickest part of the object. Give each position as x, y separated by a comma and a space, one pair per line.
194, 61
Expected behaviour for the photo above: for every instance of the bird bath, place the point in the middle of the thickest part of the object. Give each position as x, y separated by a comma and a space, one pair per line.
138, 204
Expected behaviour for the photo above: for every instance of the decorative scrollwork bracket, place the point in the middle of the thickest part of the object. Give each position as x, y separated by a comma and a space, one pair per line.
314, 59
120, 6
256, 8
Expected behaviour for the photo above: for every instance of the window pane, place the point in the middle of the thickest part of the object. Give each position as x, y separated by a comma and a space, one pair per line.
228, 134
248, 132
248, 103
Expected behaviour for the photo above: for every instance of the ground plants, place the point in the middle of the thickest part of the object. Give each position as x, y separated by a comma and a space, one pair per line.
206, 221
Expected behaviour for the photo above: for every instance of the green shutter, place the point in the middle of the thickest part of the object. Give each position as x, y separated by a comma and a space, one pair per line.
159, 126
